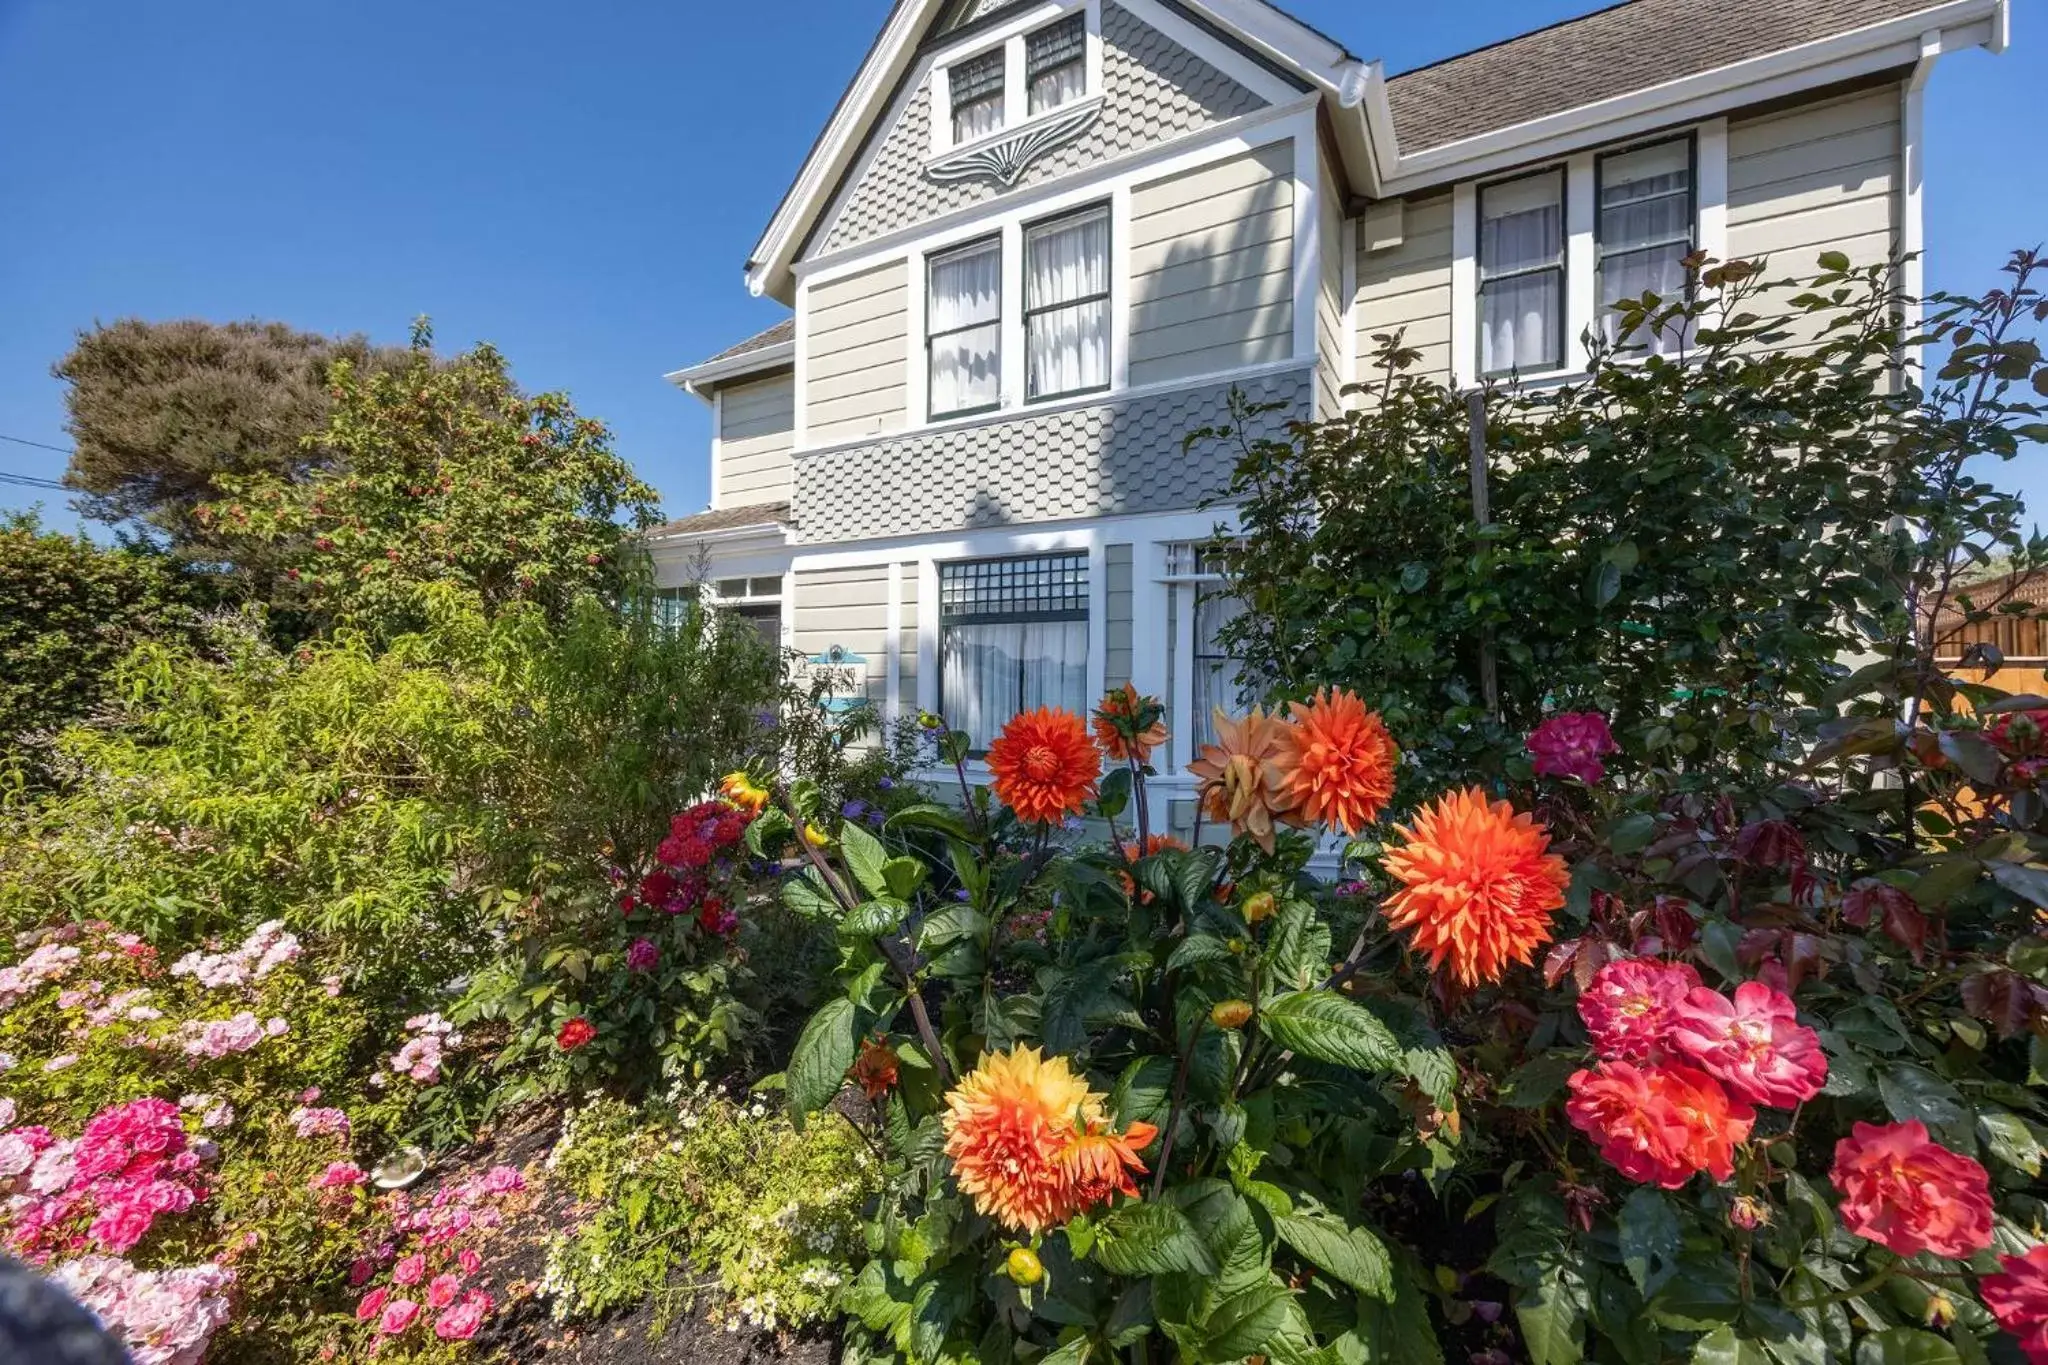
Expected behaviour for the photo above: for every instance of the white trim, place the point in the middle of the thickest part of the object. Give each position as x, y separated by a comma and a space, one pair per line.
927, 634
1098, 617
1710, 170
1465, 285
892, 650
1308, 236
799, 411
1842, 56
789, 607
717, 447
1581, 259
1016, 99
1913, 197
1120, 289
692, 378
1183, 699
1098, 399
1148, 615
1253, 76
1245, 133
917, 375
1038, 538
1010, 394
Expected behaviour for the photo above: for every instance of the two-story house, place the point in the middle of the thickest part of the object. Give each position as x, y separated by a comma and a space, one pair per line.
1041, 240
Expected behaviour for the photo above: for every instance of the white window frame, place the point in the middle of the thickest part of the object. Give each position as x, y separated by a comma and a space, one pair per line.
1582, 256
1010, 38
1181, 572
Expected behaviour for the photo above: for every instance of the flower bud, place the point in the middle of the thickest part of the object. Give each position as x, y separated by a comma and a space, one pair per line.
1941, 1311
1750, 1213
1259, 907
1236, 946
1231, 1014
1023, 1267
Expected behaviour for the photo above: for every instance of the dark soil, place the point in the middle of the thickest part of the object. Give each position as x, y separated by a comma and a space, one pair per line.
522, 1329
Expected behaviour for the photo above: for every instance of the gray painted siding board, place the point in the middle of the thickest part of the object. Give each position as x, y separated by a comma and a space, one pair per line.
1815, 178
1198, 304
1329, 294
1116, 615
1121, 457
848, 607
855, 334
756, 433
1407, 289
1155, 90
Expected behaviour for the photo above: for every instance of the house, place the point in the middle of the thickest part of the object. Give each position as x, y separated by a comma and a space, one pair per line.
1041, 240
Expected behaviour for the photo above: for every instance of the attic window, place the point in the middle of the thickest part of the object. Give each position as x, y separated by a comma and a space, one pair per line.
978, 96
1056, 63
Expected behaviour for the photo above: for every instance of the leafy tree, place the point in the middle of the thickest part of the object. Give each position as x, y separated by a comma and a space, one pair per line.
69, 610
161, 410
440, 473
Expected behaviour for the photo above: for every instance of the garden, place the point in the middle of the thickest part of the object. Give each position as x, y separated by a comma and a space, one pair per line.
1607, 933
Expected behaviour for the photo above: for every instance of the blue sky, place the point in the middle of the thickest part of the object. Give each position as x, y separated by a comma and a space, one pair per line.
578, 184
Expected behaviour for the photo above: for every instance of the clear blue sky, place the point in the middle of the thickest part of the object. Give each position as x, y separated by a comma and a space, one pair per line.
579, 184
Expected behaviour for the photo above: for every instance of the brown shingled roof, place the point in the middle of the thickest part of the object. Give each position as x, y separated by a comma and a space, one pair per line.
725, 519
1616, 51
782, 331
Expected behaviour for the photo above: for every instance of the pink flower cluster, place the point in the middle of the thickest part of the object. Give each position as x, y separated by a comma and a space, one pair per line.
1573, 744
308, 1123
266, 949
1656, 1019
166, 1317
435, 1277
48, 962
420, 1057
213, 1111
214, 1039
132, 1164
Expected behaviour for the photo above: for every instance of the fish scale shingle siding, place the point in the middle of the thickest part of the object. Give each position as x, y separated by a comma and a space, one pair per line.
1118, 458
1155, 89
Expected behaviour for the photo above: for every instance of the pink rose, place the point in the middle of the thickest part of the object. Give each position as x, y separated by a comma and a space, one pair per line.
1571, 745
359, 1273
399, 1314
504, 1180
460, 1322
372, 1304
443, 1290
469, 1260
410, 1270
1754, 1044
1630, 1005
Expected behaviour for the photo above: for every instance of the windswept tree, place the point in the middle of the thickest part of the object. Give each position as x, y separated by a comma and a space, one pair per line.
161, 410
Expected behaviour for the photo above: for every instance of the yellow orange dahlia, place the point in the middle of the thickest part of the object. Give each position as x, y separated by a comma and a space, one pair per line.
1098, 1164
1044, 766
1130, 725
742, 791
1337, 762
1240, 775
1008, 1124
1477, 886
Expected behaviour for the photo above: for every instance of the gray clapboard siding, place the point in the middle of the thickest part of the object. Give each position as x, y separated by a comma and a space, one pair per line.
1330, 294
1820, 177
1407, 289
1116, 615
756, 431
847, 607
855, 333
1212, 267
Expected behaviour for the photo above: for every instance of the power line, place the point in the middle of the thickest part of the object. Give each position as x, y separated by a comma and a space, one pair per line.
39, 445
26, 482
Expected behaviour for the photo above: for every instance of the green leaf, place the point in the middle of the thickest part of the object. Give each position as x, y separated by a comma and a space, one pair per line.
1553, 1315
1973, 754
1142, 1238
944, 819
1835, 261
1650, 1239
1244, 1323
2010, 1140
1143, 1092
1074, 1352
769, 832
1632, 833
1353, 1255
1198, 948
1722, 1347
1905, 1346
823, 1053
866, 856
1606, 585
806, 897
1540, 1080
874, 919
1912, 1092
904, 876
1329, 1028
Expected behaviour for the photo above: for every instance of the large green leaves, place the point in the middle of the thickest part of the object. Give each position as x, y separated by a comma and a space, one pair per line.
824, 1051
1143, 1238
1329, 1028
1353, 1255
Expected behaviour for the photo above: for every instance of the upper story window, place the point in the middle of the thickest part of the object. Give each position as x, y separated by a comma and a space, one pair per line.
1017, 77
1647, 228
978, 97
1522, 274
1066, 305
964, 328
1013, 636
1056, 63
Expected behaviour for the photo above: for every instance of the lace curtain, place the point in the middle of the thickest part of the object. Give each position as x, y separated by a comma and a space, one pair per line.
964, 322
1646, 232
1521, 267
1066, 303
992, 671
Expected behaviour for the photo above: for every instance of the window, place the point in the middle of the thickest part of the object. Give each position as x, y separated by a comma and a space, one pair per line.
977, 87
757, 599
1056, 63
964, 328
1645, 233
1522, 275
1013, 636
1200, 605
1066, 305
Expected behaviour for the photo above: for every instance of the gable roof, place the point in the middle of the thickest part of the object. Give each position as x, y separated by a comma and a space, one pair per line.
782, 331
1615, 51
724, 519
770, 349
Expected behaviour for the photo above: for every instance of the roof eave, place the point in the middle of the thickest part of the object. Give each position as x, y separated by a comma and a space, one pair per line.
699, 380
1899, 42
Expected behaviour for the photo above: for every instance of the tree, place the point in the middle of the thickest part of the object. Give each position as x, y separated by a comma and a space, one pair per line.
69, 611
160, 410
433, 473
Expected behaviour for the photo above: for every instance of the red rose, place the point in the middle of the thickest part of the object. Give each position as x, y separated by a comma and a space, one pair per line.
1909, 1194
574, 1034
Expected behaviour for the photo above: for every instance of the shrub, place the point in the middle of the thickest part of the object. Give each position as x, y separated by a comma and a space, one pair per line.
707, 1196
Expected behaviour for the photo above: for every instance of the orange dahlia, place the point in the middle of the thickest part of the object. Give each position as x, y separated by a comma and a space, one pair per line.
1098, 1165
1477, 887
1130, 725
876, 1069
1240, 775
1008, 1125
1044, 766
1337, 762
